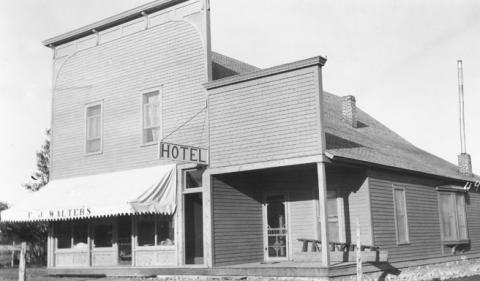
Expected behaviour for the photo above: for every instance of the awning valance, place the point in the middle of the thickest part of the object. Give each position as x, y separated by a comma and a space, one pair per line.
138, 191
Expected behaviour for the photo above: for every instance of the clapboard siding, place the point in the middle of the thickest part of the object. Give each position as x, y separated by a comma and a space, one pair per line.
237, 219
269, 118
170, 56
298, 184
422, 214
352, 186
473, 220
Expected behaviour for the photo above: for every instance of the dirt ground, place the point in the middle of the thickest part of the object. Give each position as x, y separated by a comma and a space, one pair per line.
40, 274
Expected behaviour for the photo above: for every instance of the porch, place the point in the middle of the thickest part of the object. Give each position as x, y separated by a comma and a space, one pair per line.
276, 269
267, 217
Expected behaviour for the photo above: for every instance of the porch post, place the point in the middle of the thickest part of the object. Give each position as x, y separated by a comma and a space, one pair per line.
50, 246
207, 219
322, 198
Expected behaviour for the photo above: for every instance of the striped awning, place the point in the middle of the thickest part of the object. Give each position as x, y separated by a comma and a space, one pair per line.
138, 191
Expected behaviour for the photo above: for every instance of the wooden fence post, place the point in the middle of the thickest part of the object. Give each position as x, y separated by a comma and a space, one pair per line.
21, 265
12, 262
359, 254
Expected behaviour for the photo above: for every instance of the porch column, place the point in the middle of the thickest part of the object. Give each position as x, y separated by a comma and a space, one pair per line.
207, 219
322, 198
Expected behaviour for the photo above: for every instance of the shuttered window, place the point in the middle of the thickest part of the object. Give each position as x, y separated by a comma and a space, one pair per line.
151, 117
401, 219
452, 216
93, 129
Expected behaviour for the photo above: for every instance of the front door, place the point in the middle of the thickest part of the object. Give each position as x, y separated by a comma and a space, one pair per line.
275, 221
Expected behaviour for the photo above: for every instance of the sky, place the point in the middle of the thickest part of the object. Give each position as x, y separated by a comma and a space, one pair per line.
397, 57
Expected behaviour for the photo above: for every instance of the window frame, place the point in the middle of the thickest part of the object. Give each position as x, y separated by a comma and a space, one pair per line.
143, 94
156, 219
87, 106
457, 239
71, 237
407, 229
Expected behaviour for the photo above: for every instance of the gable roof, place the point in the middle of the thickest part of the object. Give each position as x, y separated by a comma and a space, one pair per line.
375, 143
223, 66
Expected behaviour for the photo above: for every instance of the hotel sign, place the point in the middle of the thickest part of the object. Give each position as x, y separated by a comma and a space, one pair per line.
183, 153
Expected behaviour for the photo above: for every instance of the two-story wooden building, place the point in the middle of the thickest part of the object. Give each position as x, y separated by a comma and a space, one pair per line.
283, 162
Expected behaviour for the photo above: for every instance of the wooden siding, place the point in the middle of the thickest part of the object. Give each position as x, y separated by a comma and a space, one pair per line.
269, 118
169, 56
237, 220
422, 214
299, 184
473, 220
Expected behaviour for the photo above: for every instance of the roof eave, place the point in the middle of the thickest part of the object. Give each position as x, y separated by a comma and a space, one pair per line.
378, 165
110, 22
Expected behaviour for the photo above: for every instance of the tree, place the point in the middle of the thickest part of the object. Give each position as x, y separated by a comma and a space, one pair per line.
42, 175
34, 233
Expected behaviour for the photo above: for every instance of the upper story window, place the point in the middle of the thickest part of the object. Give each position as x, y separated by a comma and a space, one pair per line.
93, 142
401, 220
452, 216
151, 117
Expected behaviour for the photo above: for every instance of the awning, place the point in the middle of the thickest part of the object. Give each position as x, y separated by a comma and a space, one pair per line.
139, 191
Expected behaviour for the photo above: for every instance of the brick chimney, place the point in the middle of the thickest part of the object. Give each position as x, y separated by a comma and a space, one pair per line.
465, 164
349, 110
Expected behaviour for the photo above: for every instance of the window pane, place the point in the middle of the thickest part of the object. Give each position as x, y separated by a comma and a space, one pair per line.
64, 235
146, 231
93, 127
151, 115
461, 217
193, 178
93, 145
165, 231
447, 212
151, 97
401, 215
94, 110
80, 234
103, 235
151, 135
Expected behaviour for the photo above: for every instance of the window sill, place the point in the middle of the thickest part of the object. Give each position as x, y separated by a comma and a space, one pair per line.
93, 153
404, 243
149, 144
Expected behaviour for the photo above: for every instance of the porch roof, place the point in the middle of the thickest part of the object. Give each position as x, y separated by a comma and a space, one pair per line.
138, 191
373, 142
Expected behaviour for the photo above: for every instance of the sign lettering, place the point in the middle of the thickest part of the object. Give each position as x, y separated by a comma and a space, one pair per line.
184, 153
59, 213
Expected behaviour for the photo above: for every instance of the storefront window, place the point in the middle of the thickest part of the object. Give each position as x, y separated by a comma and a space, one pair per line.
80, 235
155, 230
64, 235
146, 231
103, 235
165, 230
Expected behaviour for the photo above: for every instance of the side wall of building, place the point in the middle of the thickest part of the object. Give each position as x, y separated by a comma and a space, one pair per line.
169, 56
422, 214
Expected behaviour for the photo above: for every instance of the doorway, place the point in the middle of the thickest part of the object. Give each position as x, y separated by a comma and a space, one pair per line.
276, 228
124, 240
193, 228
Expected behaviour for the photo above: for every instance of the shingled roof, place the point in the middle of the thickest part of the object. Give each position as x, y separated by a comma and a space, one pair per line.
223, 66
373, 142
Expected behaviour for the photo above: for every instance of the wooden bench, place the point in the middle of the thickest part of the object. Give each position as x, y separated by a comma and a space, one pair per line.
338, 246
